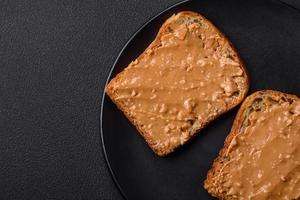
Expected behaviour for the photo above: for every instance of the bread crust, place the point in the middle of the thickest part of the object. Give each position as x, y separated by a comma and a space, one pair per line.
217, 164
162, 30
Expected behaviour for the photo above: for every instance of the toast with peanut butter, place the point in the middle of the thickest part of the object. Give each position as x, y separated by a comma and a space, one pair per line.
188, 76
261, 155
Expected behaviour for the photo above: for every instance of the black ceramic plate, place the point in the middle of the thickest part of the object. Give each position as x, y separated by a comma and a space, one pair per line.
267, 36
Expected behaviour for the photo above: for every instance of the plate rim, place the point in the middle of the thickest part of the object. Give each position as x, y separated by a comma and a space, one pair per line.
112, 174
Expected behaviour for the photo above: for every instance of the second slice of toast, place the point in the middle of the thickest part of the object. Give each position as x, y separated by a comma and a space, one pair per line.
261, 155
189, 75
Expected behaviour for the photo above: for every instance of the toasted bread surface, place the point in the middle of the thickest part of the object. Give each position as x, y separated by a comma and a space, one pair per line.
261, 155
189, 75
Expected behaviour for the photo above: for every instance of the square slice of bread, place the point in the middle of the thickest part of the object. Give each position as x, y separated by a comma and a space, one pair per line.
261, 155
189, 75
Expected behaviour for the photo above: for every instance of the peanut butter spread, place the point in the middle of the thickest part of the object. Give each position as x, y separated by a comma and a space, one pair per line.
264, 160
187, 77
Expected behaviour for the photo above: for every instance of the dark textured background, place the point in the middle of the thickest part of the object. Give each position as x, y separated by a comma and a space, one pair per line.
54, 59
